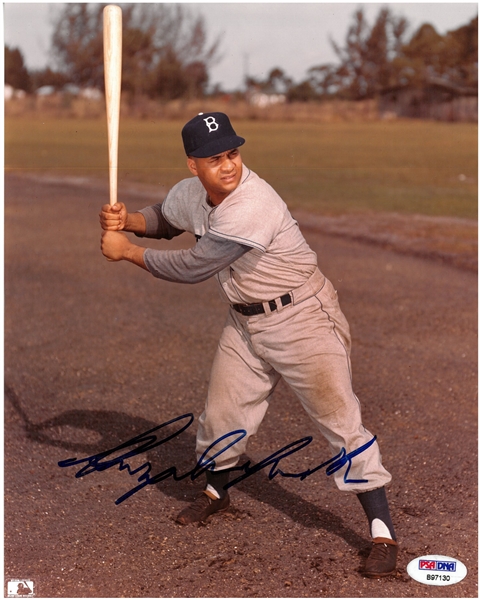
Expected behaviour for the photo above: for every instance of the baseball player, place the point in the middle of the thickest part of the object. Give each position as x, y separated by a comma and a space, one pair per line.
284, 319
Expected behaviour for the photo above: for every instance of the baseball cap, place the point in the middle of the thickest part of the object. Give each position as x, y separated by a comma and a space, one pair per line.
208, 134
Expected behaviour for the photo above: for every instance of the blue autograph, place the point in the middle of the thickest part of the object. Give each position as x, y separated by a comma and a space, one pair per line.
148, 440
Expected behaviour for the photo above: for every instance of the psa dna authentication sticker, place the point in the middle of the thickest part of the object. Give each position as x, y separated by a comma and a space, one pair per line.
436, 570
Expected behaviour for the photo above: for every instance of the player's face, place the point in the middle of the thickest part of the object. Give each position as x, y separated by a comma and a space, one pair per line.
219, 174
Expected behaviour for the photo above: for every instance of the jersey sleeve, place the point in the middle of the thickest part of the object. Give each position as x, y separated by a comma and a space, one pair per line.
209, 256
156, 225
183, 207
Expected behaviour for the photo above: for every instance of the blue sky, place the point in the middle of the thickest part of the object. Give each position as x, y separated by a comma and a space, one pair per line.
256, 37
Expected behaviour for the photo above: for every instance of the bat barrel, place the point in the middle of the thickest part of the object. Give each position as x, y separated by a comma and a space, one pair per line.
112, 53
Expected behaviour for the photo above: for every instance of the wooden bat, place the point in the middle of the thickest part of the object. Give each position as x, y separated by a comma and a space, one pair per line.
112, 58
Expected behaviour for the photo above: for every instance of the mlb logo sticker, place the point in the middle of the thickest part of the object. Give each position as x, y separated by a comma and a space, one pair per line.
20, 588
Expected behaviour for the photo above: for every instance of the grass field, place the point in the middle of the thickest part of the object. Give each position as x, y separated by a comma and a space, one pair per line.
420, 167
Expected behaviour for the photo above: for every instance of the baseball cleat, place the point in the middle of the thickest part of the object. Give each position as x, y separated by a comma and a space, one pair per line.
382, 560
201, 508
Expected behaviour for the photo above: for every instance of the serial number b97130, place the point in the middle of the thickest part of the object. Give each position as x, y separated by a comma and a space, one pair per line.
437, 577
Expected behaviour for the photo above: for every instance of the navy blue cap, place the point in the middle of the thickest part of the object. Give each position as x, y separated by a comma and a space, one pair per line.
208, 134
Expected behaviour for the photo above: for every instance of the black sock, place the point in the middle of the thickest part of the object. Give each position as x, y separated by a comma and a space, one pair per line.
375, 505
218, 479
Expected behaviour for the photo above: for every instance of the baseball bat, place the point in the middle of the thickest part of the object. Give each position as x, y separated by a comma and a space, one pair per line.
112, 59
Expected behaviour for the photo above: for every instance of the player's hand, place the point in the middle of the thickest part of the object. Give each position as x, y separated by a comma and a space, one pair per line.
115, 245
113, 218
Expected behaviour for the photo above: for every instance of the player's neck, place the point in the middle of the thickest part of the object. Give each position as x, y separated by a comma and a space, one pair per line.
216, 199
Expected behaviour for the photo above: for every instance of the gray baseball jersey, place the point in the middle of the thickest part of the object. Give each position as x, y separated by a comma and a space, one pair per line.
254, 216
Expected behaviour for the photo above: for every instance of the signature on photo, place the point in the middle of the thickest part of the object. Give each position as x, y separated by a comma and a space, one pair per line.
148, 440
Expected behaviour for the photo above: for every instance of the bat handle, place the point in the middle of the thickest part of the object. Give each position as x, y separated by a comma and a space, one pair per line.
113, 181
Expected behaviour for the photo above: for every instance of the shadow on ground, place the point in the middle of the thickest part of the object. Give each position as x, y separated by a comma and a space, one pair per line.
116, 431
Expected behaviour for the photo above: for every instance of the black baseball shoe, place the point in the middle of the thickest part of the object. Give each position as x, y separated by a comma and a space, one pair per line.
201, 508
382, 560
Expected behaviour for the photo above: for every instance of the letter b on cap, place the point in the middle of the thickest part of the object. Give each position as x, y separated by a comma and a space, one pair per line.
211, 124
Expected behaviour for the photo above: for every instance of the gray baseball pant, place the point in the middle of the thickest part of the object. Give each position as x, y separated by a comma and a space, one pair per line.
307, 343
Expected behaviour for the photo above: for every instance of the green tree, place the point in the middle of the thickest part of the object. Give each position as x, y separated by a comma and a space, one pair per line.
164, 51
48, 77
323, 81
16, 73
278, 82
464, 52
425, 54
366, 59
377, 58
302, 92
451, 58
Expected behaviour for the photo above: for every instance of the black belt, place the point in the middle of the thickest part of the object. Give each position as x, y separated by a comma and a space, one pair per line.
257, 309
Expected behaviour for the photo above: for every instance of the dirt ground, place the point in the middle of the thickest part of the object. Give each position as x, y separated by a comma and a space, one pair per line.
97, 353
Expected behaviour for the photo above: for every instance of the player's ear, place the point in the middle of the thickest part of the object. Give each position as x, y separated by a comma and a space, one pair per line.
191, 164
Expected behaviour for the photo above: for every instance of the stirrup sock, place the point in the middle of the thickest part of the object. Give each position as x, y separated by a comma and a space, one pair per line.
217, 480
375, 505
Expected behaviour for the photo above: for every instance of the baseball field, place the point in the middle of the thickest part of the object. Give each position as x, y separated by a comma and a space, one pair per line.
98, 353
406, 167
